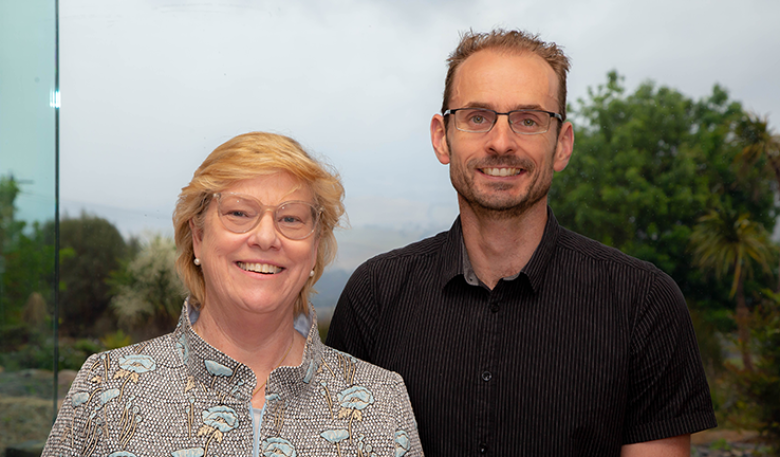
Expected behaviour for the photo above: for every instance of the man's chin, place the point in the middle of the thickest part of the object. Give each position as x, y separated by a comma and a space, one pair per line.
503, 207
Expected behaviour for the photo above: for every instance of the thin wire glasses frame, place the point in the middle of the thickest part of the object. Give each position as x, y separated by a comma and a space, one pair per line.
294, 219
522, 121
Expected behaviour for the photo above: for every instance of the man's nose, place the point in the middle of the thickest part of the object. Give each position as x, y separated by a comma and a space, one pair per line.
501, 138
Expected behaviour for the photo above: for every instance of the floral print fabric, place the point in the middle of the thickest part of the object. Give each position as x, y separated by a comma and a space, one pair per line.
177, 395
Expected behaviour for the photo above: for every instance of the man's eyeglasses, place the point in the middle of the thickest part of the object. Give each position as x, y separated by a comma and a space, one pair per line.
295, 220
522, 121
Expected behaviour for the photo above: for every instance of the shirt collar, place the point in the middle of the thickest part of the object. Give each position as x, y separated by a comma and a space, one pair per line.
452, 254
209, 368
461, 265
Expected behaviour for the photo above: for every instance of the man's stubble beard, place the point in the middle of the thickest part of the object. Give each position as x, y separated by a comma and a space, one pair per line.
493, 207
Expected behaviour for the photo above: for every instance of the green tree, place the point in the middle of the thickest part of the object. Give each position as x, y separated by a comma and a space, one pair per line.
148, 289
26, 286
761, 152
726, 242
97, 248
27, 261
762, 386
646, 166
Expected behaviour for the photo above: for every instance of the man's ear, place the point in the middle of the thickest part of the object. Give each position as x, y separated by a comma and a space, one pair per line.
564, 147
439, 139
197, 238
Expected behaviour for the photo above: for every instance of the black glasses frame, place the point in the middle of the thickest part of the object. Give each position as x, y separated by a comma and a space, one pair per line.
507, 114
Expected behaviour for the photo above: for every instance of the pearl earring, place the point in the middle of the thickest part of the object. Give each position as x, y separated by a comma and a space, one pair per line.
311, 274
196, 261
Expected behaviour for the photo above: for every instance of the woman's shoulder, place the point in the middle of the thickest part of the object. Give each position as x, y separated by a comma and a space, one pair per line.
355, 370
139, 357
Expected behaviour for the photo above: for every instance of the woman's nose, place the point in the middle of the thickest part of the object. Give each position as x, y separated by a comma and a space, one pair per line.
265, 234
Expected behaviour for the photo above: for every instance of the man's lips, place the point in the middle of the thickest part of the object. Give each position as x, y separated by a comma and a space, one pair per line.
264, 268
501, 172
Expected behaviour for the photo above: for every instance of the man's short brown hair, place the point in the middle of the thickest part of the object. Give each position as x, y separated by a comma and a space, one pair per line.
512, 41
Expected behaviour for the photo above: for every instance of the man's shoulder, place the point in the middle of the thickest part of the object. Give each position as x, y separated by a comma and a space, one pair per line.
581, 246
425, 248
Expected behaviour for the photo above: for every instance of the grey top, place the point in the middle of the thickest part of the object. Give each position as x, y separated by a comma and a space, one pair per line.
177, 395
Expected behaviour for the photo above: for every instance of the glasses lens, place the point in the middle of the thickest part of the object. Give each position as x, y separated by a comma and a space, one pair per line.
296, 220
529, 121
237, 214
475, 120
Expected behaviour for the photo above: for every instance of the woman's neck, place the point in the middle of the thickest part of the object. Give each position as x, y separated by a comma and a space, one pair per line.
262, 343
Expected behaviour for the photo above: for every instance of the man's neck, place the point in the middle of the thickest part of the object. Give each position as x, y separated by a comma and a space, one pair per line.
499, 247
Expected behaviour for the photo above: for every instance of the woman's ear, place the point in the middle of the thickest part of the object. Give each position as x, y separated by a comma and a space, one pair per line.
197, 238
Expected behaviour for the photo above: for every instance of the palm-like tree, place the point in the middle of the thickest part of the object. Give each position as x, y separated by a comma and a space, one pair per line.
724, 242
760, 142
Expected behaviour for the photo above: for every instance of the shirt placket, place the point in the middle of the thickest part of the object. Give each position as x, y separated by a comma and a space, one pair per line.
488, 373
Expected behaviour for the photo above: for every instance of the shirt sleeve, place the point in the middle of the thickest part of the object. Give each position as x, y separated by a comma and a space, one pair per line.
354, 319
668, 392
67, 434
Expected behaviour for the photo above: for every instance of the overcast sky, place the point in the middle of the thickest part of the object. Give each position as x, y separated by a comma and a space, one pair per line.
149, 88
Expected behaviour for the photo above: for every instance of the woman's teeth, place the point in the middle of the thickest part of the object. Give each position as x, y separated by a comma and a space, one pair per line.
260, 268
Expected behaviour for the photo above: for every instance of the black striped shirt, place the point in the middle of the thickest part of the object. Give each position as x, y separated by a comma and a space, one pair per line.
585, 350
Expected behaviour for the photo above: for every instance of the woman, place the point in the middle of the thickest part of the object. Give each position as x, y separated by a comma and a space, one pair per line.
245, 372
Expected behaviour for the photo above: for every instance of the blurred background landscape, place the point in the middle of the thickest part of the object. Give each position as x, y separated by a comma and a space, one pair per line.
676, 161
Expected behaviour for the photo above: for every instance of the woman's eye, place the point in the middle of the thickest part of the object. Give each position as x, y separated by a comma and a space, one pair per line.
290, 220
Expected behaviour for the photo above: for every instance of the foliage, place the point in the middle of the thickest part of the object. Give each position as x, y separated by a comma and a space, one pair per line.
148, 289
116, 340
10, 228
709, 339
762, 146
97, 248
647, 166
724, 241
762, 385
26, 284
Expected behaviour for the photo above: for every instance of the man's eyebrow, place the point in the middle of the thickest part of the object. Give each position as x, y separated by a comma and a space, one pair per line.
531, 106
481, 105
478, 105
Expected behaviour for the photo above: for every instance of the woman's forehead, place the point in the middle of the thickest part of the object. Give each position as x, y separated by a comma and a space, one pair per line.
273, 188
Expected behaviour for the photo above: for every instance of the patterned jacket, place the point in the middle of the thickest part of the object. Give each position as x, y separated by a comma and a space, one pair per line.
178, 396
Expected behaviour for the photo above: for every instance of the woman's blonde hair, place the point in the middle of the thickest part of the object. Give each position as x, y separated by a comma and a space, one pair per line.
244, 157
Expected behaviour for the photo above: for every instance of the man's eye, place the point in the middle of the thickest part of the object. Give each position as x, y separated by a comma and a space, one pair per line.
477, 119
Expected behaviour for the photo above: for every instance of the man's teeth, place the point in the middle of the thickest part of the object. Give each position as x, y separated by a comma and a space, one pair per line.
501, 171
259, 268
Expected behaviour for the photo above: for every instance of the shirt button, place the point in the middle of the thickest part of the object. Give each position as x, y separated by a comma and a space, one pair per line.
494, 307
483, 448
487, 376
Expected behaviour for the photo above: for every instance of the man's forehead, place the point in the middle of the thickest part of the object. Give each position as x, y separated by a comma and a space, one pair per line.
515, 79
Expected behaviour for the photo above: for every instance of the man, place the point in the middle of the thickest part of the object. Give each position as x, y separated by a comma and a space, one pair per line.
514, 335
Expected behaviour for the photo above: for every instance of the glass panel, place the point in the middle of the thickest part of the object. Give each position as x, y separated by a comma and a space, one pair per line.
27, 214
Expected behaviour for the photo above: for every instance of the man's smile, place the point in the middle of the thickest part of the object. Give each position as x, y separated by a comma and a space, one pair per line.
501, 172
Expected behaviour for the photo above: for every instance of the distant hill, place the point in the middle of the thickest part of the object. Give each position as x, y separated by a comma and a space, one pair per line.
329, 288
